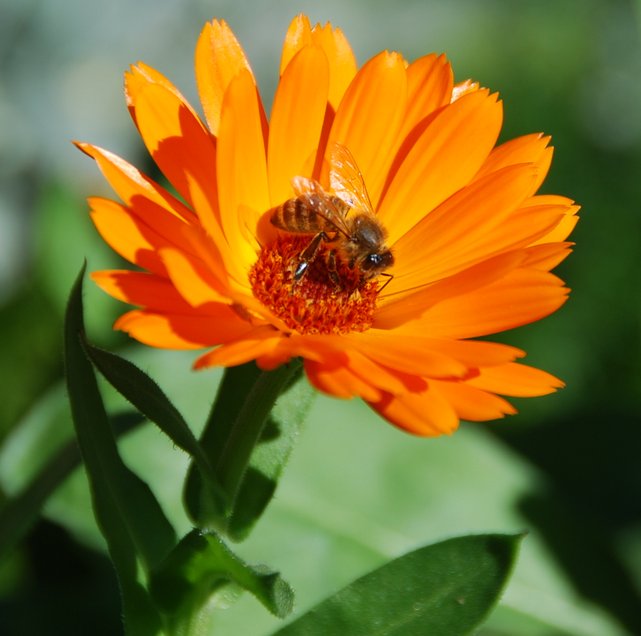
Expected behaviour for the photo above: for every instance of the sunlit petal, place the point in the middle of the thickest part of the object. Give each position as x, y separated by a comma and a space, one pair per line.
242, 166
297, 120
183, 149
426, 413
219, 58
516, 380
370, 115
141, 289
334, 44
447, 155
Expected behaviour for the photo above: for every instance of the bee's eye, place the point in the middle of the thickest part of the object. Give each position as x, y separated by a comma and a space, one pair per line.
372, 260
376, 259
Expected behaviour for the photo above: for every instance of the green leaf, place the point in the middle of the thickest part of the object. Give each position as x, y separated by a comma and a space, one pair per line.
200, 565
18, 513
236, 423
143, 393
126, 511
447, 588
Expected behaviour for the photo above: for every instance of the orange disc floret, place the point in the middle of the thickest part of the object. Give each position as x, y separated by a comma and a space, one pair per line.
315, 304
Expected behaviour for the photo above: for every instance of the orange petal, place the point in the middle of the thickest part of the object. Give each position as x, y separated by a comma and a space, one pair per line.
426, 413
429, 87
342, 62
157, 330
297, 120
219, 58
532, 149
566, 224
157, 227
130, 184
138, 78
363, 376
339, 54
471, 353
316, 348
339, 381
398, 351
546, 256
384, 378
526, 227
521, 297
183, 149
242, 167
461, 231
191, 278
141, 289
139, 232
212, 325
224, 273
472, 404
281, 353
299, 34
398, 307
515, 230
517, 380
259, 341
127, 235
444, 159
370, 115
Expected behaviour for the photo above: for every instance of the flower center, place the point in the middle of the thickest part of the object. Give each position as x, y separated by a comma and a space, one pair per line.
321, 301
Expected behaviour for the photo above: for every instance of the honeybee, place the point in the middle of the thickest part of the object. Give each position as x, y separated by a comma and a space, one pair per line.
343, 219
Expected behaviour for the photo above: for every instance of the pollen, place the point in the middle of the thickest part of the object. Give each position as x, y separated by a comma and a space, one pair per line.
314, 304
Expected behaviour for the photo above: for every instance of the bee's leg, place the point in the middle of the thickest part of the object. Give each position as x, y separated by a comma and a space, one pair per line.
308, 255
386, 283
331, 269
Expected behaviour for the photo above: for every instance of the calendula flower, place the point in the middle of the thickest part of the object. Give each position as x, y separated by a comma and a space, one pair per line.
453, 242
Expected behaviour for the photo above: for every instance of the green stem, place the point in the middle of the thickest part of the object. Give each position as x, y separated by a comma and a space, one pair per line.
246, 429
245, 399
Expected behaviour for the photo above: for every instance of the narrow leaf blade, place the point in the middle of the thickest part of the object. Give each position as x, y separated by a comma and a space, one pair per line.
126, 511
143, 393
445, 588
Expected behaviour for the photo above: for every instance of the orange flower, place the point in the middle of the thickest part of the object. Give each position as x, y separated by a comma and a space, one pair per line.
472, 244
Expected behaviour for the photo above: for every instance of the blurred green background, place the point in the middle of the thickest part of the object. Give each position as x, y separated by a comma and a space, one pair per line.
357, 491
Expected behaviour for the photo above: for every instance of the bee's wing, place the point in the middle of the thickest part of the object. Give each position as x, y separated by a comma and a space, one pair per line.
303, 186
320, 202
347, 180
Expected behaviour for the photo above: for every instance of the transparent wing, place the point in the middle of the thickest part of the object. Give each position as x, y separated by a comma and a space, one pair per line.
303, 186
316, 199
347, 180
